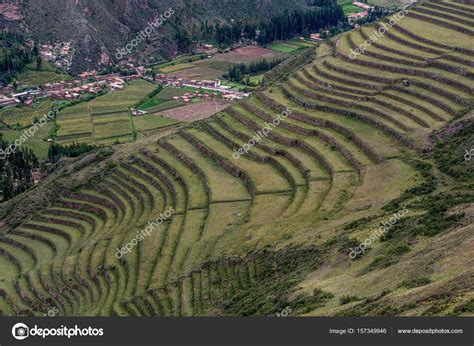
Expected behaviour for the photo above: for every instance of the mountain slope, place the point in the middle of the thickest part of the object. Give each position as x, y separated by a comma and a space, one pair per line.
97, 29
350, 148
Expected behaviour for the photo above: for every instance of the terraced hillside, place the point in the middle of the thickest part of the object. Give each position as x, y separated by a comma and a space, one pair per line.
273, 228
105, 119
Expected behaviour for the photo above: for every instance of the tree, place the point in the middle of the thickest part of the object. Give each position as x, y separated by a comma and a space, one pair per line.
16, 170
238, 75
39, 62
35, 50
182, 40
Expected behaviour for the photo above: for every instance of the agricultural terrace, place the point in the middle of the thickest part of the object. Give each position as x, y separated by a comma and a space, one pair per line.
348, 7
24, 116
48, 73
107, 119
199, 67
36, 144
349, 146
291, 46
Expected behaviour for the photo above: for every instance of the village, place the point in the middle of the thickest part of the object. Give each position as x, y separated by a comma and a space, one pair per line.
93, 83
75, 89
211, 86
86, 83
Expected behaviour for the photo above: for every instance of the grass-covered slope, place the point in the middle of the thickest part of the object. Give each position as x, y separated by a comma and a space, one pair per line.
105, 119
273, 229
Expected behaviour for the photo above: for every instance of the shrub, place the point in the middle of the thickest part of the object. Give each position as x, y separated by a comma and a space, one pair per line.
347, 299
417, 282
467, 307
390, 257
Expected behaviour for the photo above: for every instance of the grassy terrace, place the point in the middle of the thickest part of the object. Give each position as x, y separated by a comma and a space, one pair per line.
354, 149
106, 118
48, 73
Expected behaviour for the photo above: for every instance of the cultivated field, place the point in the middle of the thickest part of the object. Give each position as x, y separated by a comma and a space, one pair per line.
33, 77
37, 145
272, 228
104, 118
218, 65
25, 116
247, 55
198, 111
349, 8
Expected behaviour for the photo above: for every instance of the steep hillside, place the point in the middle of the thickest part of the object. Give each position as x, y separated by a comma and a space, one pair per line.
98, 28
344, 146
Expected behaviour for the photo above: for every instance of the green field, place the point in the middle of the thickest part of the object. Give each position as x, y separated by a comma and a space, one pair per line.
24, 116
218, 65
348, 8
175, 68
164, 106
155, 101
151, 122
284, 47
169, 92
163, 100
257, 79
304, 43
180, 63
32, 77
37, 145
103, 118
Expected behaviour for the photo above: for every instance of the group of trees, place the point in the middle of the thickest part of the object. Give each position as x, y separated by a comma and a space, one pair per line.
326, 14
16, 170
57, 151
374, 14
14, 55
237, 72
289, 25
183, 40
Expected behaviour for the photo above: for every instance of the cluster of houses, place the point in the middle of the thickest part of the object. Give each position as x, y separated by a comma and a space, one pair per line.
12, 99
187, 97
59, 54
315, 37
90, 82
70, 90
212, 85
6, 101
365, 13
207, 49
86, 83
